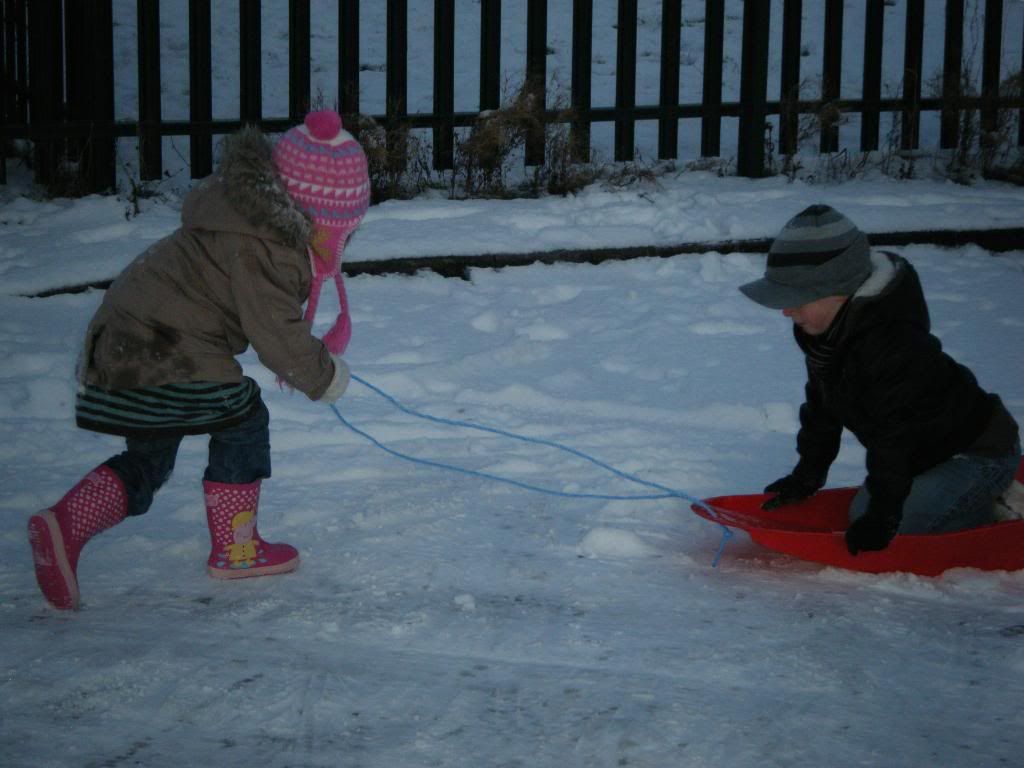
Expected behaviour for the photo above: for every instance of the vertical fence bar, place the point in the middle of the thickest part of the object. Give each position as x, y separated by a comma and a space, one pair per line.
397, 78
913, 53
582, 50
831, 75
150, 149
668, 125
952, 74
348, 63
490, 54
45, 63
1020, 112
711, 122
103, 149
17, 58
874, 25
250, 101
625, 81
90, 77
396, 85
89, 87
753, 88
444, 82
7, 69
789, 78
298, 59
990, 69
536, 75
77, 31
200, 87
14, 64
6, 85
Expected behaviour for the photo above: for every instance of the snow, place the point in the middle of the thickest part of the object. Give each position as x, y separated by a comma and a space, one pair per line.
441, 619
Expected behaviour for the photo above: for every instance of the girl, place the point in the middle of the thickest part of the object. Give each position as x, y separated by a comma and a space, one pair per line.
257, 239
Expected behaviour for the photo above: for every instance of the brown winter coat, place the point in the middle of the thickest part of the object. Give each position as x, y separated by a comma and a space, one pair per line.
236, 273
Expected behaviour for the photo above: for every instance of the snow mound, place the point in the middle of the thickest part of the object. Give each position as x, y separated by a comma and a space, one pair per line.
609, 542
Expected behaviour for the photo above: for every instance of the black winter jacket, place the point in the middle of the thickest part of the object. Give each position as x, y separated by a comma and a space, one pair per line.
889, 382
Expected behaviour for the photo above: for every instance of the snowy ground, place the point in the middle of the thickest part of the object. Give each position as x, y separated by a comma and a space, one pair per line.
443, 620
440, 620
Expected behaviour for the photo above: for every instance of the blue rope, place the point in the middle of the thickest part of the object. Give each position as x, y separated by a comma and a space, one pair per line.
664, 491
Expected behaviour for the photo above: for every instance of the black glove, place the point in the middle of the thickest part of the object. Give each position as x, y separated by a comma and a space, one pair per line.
875, 529
791, 489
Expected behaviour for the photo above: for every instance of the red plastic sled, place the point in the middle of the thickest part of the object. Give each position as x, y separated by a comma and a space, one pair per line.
813, 530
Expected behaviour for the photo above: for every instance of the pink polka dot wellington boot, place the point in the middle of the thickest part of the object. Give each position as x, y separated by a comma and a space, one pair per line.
58, 534
237, 550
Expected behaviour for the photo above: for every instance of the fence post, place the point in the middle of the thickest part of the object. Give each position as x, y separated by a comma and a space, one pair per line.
668, 125
625, 81
348, 61
150, 150
6, 86
348, 58
444, 82
582, 49
200, 87
789, 78
490, 54
831, 75
952, 74
913, 48
16, 59
45, 66
298, 60
103, 154
250, 98
711, 122
536, 75
15, 66
990, 70
874, 25
753, 88
396, 83
11, 19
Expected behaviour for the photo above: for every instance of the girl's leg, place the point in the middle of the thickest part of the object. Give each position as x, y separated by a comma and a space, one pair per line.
239, 460
241, 454
143, 467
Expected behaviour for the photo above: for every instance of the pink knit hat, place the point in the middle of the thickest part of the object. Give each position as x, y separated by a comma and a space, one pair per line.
324, 170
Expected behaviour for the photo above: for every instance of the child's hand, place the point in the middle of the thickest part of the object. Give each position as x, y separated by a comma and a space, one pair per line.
874, 530
789, 490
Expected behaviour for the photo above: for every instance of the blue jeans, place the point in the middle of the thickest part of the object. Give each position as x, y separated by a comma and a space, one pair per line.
951, 496
238, 454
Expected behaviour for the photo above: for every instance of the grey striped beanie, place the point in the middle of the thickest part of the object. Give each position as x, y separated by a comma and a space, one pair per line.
818, 253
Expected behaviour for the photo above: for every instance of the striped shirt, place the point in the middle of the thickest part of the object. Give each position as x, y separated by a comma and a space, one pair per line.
189, 408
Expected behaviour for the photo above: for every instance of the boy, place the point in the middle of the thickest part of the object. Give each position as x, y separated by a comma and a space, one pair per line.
940, 449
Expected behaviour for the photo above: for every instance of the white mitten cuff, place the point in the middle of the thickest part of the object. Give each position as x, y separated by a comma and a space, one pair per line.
338, 384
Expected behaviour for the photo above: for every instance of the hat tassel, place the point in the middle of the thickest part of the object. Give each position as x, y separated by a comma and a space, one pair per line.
337, 338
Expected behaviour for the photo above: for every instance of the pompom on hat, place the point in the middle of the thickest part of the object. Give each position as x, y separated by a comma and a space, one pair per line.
324, 170
818, 253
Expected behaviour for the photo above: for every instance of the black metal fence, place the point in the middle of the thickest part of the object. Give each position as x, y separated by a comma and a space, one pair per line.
58, 79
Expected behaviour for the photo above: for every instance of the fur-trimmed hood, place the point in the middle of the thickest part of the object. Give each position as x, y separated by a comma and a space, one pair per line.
246, 195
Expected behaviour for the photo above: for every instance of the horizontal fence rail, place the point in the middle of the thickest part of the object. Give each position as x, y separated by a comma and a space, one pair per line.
58, 80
